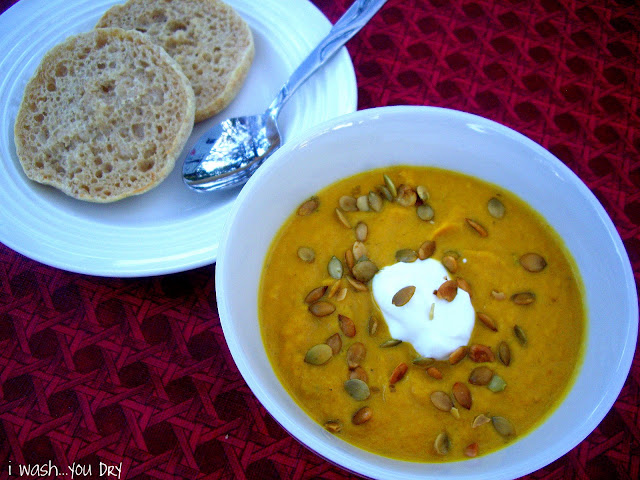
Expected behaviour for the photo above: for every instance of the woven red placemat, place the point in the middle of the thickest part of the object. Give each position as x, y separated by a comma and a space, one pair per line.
136, 372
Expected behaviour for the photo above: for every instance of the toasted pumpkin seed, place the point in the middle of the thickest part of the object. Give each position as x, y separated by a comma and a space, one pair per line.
322, 309
403, 296
498, 295
481, 353
471, 450
520, 335
448, 290
503, 426
362, 416
422, 192
359, 250
523, 298
344, 221
334, 267
398, 373
406, 196
357, 389
318, 354
480, 376
480, 230
442, 444
359, 373
441, 400
487, 321
334, 288
458, 354
423, 361
392, 342
335, 342
434, 372
504, 353
480, 420
464, 285
362, 203
364, 271
425, 212
375, 201
309, 206
406, 255
334, 426
356, 355
496, 208
450, 263
306, 254
453, 253
349, 259
357, 285
497, 384
533, 262
373, 326
462, 395
426, 249
390, 185
385, 192
347, 203
361, 231
342, 294
315, 294
346, 325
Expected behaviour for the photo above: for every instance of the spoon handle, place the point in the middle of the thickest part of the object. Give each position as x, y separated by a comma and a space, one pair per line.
346, 27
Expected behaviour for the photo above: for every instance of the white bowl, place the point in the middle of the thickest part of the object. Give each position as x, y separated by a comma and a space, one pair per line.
466, 143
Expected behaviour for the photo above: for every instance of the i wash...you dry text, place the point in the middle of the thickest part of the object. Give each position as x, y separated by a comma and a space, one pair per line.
73, 471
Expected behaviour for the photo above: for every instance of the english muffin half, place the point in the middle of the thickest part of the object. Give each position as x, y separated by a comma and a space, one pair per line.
105, 116
211, 42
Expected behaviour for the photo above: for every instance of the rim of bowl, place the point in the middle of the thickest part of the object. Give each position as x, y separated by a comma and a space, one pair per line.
368, 464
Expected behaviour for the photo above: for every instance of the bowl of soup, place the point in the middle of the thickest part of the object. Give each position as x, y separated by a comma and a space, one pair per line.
417, 292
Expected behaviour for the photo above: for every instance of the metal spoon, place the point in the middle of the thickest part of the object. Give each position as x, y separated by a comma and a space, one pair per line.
229, 153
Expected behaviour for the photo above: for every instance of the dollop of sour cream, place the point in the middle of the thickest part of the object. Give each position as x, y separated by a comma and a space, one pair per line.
434, 326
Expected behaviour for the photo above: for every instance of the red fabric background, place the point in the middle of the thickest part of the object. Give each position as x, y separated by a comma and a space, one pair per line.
137, 370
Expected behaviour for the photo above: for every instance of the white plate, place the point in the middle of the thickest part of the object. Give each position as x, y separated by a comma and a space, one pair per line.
170, 228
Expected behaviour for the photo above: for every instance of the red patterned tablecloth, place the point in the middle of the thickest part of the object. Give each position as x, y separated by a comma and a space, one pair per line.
136, 371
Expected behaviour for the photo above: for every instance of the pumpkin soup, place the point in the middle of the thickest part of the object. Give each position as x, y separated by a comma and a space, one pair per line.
410, 395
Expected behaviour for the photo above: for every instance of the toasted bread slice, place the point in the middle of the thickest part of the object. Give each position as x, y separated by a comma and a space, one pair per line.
105, 116
211, 42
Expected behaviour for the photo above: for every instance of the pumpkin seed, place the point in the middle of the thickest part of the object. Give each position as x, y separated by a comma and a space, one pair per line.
375, 201
532, 262
462, 395
386, 193
520, 335
308, 207
334, 288
406, 255
487, 321
318, 354
434, 372
455, 413
496, 208
361, 231
392, 342
480, 376
458, 354
426, 249
450, 263
334, 426
364, 271
390, 185
359, 250
334, 267
480, 420
358, 286
344, 221
523, 298
335, 342
359, 373
406, 196
423, 361
423, 193
342, 294
349, 259
497, 384
464, 285
362, 416
306, 254
481, 353
498, 295
363, 203
442, 444
356, 355
403, 296
441, 400
452, 253
315, 294
503, 426
425, 212
398, 373
322, 309
357, 389
346, 325
448, 290
480, 230
471, 450
347, 203
504, 353
373, 326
